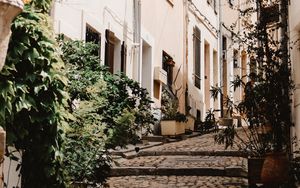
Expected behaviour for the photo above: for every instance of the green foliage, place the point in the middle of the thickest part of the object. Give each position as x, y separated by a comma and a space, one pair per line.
108, 111
85, 157
32, 92
169, 107
83, 68
41, 5
267, 93
122, 94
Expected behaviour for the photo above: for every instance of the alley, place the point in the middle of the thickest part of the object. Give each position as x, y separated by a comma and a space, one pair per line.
193, 162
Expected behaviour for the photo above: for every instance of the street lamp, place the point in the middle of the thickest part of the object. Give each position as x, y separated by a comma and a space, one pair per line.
9, 9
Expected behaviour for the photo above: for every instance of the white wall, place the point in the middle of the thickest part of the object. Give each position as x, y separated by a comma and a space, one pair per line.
294, 20
71, 16
209, 36
162, 23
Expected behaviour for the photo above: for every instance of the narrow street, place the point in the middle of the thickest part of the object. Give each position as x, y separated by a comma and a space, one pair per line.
193, 162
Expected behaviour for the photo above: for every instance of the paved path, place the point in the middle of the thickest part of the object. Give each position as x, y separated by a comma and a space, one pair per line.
183, 161
179, 156
176, 181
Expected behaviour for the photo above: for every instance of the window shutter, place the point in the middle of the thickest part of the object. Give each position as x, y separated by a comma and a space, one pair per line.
123, 57
197, 57
109, 50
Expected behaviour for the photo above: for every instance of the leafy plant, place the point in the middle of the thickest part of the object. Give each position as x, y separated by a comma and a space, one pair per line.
169, 107
32, 94
124, 94
108, 111
268, 91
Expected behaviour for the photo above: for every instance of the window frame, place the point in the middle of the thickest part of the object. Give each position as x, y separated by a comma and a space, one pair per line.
197, 57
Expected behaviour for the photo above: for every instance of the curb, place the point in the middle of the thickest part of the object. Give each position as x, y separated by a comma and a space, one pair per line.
163, 171
131, 155
124, 151
232, 153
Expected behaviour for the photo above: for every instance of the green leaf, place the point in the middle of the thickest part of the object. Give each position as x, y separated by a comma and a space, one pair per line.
34, 54
20, 48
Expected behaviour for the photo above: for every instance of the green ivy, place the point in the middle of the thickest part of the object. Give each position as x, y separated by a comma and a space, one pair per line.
108, 109
32, 94
119, 95
41, 5
124, 96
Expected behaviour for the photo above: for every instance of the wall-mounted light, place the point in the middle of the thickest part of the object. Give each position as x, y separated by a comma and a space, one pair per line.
9, 9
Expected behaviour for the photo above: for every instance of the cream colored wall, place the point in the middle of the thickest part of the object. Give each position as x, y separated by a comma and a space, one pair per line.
164, 23
161, 29
209, 36
294, 21
71, 16
231, 17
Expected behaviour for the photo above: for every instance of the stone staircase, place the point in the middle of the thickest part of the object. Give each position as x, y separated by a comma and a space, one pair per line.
194, 162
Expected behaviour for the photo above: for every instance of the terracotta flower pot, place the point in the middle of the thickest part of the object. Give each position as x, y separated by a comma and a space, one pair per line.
275, 168
254, 170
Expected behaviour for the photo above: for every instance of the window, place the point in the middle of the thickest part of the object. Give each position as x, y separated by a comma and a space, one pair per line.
123, 57
168, 64
91, 35
270, 14
115, 53
235, 58
253, 66
224, 47
198, 115
109, 50
197, 57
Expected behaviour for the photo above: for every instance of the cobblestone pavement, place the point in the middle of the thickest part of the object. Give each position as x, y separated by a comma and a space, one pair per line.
183, 161
199, 143
176, 181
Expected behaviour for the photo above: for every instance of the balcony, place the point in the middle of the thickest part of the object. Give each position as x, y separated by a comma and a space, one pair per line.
160, 75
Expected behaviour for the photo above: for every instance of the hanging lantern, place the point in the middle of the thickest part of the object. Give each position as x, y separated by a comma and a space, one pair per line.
9, 9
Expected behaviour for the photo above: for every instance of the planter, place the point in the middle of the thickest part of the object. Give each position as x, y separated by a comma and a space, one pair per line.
272, 169
275, 168
226, 122
190, 124
254, 170
172, 128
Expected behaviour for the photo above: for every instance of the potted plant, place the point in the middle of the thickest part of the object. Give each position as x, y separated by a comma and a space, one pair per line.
226, 113
266, 105
172, 122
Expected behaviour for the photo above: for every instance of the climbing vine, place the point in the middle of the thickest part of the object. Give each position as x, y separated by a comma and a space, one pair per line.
32, 94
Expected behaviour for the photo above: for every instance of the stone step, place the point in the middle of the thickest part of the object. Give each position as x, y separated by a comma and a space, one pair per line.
176, 181
179, 171
181, 165
233, 153
133, 154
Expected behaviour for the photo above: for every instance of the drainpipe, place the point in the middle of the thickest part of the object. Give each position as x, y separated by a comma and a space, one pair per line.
221, 57
185, 51
137, 40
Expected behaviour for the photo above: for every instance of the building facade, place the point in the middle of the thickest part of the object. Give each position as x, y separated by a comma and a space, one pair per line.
185, 46
202, 55
294, 27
